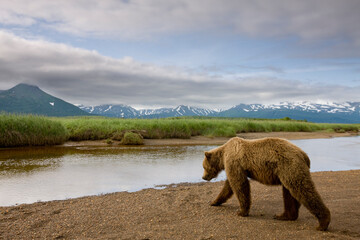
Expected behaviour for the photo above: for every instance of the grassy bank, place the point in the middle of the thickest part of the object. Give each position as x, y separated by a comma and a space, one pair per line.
90, 128
29, 130
20, 130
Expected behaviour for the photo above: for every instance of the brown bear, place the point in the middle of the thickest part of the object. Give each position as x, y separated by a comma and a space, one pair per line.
271, 161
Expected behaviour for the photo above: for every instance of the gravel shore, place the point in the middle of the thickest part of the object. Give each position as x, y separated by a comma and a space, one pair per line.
183, 212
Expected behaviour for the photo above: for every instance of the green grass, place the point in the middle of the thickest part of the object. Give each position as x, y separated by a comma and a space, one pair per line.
17, 130
131, 138
92, 128
29, 130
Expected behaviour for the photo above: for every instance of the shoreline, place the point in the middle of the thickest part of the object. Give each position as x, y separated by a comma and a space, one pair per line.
182, 211
203, 140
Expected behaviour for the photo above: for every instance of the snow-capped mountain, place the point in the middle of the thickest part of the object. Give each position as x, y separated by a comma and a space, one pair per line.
348, 112
119, 111
178, 111
328, 107
124, 111
29, 99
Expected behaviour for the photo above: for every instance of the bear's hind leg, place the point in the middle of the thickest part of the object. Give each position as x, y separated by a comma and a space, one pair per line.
304, 191
224, 195
241, 187
311, 199
291, 207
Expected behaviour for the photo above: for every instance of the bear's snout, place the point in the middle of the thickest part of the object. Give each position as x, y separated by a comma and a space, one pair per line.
206, 177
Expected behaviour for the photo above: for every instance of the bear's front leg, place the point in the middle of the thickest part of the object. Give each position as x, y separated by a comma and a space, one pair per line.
224, 195
241, 187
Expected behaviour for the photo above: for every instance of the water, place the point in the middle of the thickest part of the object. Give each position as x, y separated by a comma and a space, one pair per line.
28, 175
334, 154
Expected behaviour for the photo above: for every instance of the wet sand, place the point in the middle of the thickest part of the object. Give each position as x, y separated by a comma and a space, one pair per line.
183, 212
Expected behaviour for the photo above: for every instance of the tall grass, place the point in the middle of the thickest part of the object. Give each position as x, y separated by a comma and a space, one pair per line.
21, 130
30, 130
90, 128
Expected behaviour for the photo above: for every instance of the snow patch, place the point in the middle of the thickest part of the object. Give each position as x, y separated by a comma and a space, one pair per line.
108, 108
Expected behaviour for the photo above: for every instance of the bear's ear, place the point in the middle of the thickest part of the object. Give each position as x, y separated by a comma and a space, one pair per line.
208, 154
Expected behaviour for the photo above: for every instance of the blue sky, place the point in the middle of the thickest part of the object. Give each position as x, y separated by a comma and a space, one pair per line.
159, 53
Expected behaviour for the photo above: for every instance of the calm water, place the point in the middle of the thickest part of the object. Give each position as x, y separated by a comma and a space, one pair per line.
40, 174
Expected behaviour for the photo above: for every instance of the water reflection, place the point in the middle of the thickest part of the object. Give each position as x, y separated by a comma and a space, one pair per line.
27, 160
31, 174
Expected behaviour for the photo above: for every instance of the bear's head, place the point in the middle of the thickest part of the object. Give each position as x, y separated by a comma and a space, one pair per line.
211, 165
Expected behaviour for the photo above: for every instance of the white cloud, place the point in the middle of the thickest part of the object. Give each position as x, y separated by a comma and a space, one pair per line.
308, 20
82, 76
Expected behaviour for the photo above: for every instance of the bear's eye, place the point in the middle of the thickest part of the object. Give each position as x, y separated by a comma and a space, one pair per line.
206, 165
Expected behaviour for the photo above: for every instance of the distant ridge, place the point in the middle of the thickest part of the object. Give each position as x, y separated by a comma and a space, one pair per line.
124, 111
348, 112
108, 110
181, 110
29, 99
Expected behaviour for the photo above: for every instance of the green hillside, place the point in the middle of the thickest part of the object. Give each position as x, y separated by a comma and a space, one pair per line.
28, 99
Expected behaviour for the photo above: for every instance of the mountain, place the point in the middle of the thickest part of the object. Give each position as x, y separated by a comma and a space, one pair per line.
348, 112
24, 98
124, 111
119, 111
178, 111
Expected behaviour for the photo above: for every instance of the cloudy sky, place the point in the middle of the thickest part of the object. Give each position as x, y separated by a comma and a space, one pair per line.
207, 53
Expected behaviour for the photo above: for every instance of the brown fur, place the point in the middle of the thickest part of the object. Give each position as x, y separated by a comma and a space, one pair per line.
271, 161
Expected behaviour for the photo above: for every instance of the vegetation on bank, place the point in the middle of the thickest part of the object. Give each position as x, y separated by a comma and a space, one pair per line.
29, 130
90, 128
131, 138
21, 130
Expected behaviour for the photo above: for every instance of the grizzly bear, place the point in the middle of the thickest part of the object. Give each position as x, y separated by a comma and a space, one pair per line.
271, 161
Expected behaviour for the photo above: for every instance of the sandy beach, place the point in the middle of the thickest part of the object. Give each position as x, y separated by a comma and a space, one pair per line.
182, 211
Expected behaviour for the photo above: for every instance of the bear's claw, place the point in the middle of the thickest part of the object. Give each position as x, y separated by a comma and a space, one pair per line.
284, 217
324, 223
215, 204
242, 214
